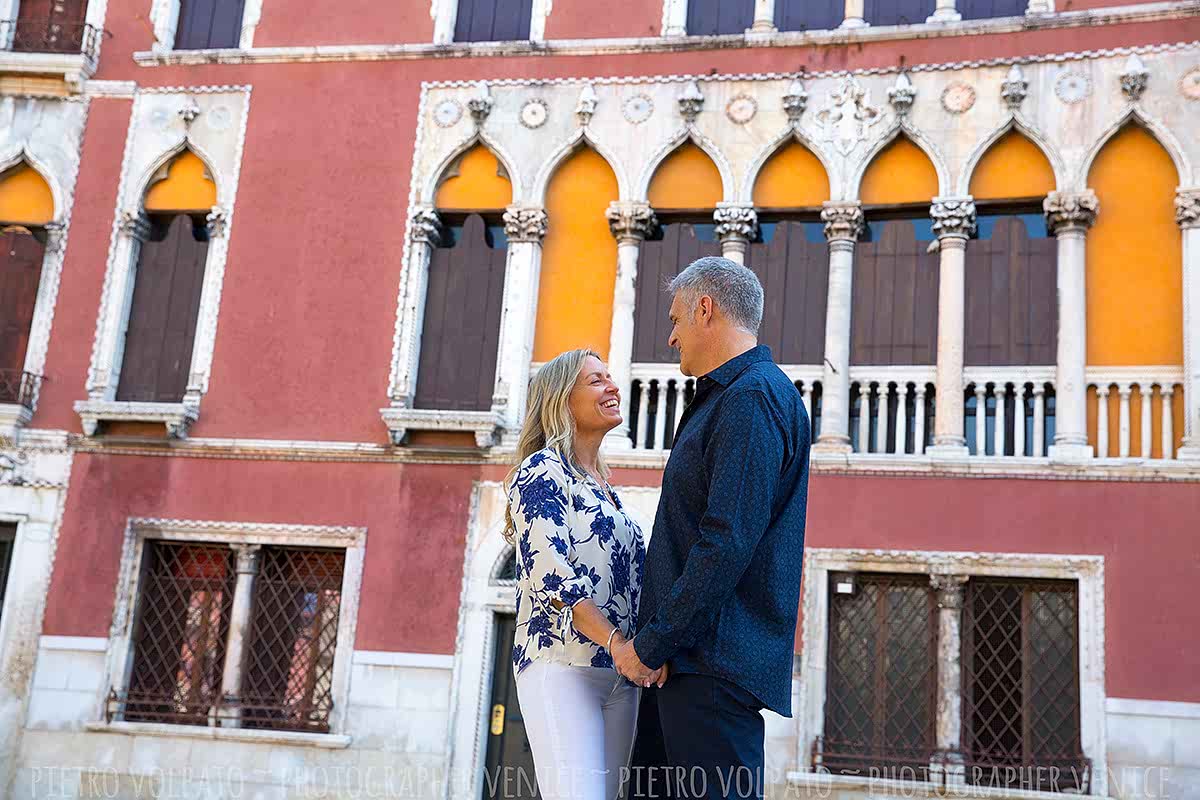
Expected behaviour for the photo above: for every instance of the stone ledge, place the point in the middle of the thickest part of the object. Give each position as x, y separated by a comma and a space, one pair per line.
326, 741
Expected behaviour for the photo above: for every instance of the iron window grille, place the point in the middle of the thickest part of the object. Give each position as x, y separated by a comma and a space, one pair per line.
181, 671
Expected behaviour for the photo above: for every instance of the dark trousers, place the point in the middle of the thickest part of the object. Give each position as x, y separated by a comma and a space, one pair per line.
698, 737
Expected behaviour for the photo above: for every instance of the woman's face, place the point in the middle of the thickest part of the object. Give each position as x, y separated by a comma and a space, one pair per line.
595, 401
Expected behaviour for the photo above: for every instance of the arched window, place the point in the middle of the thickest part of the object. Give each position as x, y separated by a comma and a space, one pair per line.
168, 282
26, 207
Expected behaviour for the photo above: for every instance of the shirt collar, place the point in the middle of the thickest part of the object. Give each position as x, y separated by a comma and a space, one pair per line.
728, 372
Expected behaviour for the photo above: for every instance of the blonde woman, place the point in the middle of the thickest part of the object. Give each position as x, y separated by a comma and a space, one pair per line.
579, 575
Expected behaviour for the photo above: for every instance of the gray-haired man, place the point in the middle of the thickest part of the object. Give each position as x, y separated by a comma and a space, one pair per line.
722, 584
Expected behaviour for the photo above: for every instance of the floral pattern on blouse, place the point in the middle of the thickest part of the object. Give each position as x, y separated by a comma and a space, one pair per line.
573, 543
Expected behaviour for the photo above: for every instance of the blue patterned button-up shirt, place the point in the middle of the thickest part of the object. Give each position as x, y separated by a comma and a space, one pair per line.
722, 588
573, 543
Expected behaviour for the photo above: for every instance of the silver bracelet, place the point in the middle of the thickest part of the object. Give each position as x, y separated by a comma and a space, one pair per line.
612, 633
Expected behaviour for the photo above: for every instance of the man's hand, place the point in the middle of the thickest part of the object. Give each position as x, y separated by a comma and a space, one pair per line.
627, 662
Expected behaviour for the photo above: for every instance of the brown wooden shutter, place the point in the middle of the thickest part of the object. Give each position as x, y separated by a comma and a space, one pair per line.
493, 20
897, 12
163, 314
809, 15
895, 289
712, 17
658, 262
461, 332
985, 9
49, 26
205, 24
1011, 305
794, 270
20, 271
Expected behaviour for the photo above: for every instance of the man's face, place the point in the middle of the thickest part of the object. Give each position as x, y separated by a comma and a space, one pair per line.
687, 331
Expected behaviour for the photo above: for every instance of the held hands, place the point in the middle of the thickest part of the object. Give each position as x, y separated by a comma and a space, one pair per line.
626, 660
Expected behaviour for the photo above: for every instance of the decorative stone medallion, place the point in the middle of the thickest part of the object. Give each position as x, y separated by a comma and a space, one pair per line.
958, 97
447, 113
1072, 87
534, 113
637, 108
741, 109
1189, 84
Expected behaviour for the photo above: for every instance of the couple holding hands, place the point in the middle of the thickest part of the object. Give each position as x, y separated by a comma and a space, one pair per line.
683, 644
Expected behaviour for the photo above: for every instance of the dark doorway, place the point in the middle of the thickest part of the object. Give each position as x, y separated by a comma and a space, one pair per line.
509, 767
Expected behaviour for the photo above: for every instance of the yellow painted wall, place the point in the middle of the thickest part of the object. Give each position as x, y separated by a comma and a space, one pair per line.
1134, 256
1012, 167
25, 197
791, 178
478, 182
687, 178
187, 187
1135, 422
579, 259
900, 173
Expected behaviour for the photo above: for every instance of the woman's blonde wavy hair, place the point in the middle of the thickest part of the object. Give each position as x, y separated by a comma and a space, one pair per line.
548, 420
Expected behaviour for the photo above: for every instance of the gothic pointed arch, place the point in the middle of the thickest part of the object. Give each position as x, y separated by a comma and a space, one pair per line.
475, 179
899, 173
687, 178
25, 196
184, 183
791, 177
1012, 167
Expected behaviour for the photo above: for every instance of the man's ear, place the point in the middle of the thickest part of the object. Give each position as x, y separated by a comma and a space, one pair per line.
705, 308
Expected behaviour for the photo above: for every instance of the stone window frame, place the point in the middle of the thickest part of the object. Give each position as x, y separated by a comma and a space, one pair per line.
820, 562
211, 122
120, 655
164, 17
445, 14
674, 16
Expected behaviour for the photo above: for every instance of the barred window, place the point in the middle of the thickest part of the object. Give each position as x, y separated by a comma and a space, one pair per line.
882, 676
191, 663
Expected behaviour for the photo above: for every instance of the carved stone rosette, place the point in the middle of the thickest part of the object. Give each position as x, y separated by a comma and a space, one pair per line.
953, 217
739, 223
843, 221
524, 224
1187, 208
426, 227
1070, 210
631, 222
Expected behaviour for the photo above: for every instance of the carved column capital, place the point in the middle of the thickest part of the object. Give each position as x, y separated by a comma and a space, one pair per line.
426, 226
631, 222
525, 224
736, 223
1187, 208
248, 557
843, 221
135, 224
56, 237
1070, 210
217, 221
953, 217
949, 590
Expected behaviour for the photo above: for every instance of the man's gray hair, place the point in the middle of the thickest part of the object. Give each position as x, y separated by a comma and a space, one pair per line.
733, 288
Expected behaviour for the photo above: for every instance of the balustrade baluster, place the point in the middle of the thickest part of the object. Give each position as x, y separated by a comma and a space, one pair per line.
643, 415
1039, 420
680, 387
981, 419
1168, 421
1102, 421
885, 390
1001, 393
1147, 392
660, 416
1019, 420
1123, 390
901, 424
919, 420
864, 417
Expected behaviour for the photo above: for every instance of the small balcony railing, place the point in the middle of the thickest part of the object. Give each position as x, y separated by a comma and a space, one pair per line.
50, 36
18, 387
1009, 411
1147, 395
891, 409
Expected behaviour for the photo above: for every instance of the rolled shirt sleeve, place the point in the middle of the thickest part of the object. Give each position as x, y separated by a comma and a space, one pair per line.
743, 461
541, 509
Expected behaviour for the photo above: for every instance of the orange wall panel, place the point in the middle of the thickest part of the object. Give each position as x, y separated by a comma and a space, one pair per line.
25, 197
1012, 167
792, 178
900, 173
1135, 422
687, 178
186, 187
476, 181
1134, 256
579, 259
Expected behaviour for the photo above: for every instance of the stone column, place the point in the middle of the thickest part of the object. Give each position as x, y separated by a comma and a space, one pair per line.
854, 15
843, 226
948, 725
1187, 214
248, 559
525, 227
445, 16
675, 18
630, 223
1068, 216
425, 234
133, 229
736, 226
945, 11
764, 17
953, 223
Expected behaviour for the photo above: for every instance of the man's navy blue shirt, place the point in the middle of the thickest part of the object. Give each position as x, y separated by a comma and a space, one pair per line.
722, 582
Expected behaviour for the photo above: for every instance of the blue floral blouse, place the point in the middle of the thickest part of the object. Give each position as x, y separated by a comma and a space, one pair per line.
572, 544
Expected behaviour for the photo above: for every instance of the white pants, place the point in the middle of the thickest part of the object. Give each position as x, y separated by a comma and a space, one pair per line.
580, 722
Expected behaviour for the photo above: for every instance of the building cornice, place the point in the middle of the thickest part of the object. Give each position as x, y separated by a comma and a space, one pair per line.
1117, 15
